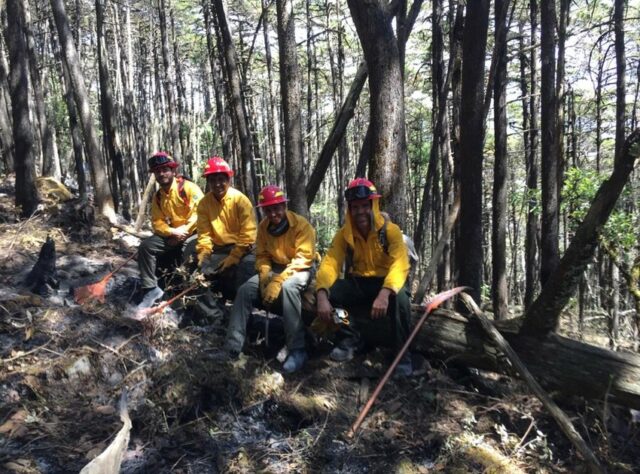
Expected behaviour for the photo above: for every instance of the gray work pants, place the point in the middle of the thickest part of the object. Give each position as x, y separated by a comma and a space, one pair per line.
155, 247
290, 298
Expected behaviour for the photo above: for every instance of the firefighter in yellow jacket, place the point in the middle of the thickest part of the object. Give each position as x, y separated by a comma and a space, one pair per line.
226, 230
376, 268
173, 218
286, 247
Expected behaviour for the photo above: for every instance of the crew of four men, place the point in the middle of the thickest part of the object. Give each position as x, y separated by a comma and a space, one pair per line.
369, 247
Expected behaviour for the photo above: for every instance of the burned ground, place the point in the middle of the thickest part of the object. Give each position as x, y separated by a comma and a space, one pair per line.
63, 368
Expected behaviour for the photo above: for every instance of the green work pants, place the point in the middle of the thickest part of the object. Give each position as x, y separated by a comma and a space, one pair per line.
356, 295
156, 248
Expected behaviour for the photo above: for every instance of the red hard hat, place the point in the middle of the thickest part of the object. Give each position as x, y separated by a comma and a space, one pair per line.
160, 159
360, 188
215, 164
271, 195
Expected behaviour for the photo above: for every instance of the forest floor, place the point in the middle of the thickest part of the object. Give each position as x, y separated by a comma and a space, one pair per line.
63, 368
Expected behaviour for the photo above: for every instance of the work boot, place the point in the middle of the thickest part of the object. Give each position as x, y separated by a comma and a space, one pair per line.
405, 366
296, 360
346, 349
151, 296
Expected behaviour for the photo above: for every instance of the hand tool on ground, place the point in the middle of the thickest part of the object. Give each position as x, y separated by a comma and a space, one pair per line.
96, 291
144, 313
432, 304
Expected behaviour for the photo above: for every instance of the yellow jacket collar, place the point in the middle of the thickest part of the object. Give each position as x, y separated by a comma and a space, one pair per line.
378, 222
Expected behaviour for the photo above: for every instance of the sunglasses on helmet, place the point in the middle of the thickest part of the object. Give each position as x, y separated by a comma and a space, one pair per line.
359, 192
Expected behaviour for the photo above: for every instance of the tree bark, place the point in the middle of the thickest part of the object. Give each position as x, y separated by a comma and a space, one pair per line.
50, 158
6, 126
110, 135
549, 250
618, 17
237, 104
499, 288
291, 108
169, 83
101, 188
469, 251
26, 192
531, 162
387, 120
544, 314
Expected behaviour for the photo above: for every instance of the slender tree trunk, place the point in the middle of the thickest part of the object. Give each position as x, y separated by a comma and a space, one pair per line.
6, 126
50, 159
618, 17
291, 105
272, 115
110, 135
549, 251
169, 82
469, 251
26, 191
531, 239
237, 104
499, 288
101, 188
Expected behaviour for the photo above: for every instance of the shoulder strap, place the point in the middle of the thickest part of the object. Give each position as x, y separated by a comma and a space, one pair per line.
183, 194
382, 236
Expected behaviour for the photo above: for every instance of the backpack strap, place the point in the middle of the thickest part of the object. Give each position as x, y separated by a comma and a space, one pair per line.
382, 238
181, 192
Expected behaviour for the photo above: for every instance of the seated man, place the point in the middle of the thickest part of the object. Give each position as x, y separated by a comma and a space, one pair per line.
173, 218
226, 231
376, 269
286, 247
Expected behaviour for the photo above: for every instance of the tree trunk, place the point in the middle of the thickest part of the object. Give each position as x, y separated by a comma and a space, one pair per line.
110, 135
6, 137
237, 104
50, 158
618, 17
544, 314
26, 192
549, 251
387, 120
169, 83
101, 188
499, 288
272, 115
336, 134
291, 105
469, 251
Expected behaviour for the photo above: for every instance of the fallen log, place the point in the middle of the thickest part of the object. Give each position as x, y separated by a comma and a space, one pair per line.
558, 363
561, 417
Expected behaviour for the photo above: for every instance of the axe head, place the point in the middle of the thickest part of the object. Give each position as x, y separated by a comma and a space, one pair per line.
432, 303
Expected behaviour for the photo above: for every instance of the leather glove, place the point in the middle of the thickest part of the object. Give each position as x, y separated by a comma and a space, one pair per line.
208, 269
272, 290
227, 263
264, 277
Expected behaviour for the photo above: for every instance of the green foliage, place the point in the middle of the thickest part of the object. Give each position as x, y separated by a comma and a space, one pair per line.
580, 188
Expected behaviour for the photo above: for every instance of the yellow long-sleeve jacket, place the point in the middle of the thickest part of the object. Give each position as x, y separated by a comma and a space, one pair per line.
369, 257
295, 249
170, 211
229, 221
